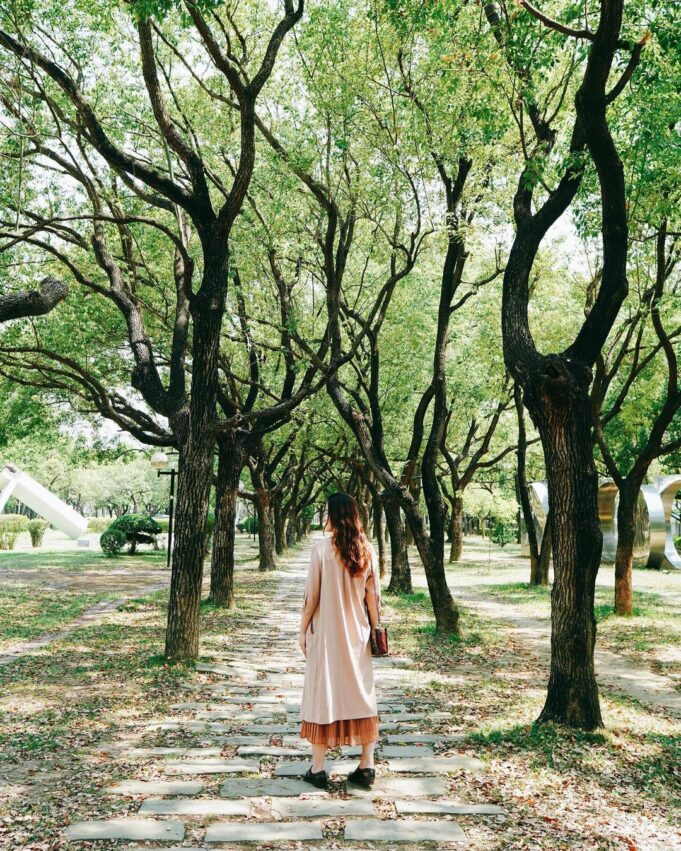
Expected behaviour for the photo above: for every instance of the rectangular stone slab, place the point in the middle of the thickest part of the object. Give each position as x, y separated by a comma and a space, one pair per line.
236, 740
270, 750
326, 807
392, 788
146, 753
264, 831
414, 738
299, 767
125, 828
192, 726
265, 787
434, 764
408, 751
194, 807
448, 807
226, 714
403, 830
271, 729
214, 766
156, 787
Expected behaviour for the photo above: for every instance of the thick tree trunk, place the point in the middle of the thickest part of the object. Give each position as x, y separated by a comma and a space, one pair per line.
230, 465
279, 526
196, 461
624, 556
400, 574
456, 548
563, 418
265, 530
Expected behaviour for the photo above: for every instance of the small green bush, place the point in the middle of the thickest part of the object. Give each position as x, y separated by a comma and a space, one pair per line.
98, 524
137, 528
677, 544
36, 529
11, 526
503, 533
112, 542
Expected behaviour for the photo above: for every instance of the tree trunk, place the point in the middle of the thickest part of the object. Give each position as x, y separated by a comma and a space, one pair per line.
291, 529
545, 553
456, 548
400, 574
279, 526
560, 408
379, 535
265, 530
196, 460
624, 555
523, 493
230, 465
191, 507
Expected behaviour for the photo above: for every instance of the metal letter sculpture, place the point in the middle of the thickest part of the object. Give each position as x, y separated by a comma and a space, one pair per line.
653, 542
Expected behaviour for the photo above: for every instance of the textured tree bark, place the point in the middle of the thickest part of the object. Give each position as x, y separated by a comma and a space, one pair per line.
456, 548
400, 573
560, 407
265, 530
624, 555
379, 535
33, 302
279, 526
291, 529
230, 465
545, 553
196, 460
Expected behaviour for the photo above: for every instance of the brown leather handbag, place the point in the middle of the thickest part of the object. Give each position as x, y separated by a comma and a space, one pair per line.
379, 634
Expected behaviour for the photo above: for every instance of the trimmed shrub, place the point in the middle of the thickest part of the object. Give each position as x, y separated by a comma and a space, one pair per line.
11, 526
138, 529
112, 542
36, 529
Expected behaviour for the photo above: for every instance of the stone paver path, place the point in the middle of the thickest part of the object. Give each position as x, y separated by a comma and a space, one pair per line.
236, 779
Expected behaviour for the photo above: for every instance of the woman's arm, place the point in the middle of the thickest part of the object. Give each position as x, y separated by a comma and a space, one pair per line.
311, 600
372, 596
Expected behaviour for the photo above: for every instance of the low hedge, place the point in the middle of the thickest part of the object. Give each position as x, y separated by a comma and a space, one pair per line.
11, 526
36, 529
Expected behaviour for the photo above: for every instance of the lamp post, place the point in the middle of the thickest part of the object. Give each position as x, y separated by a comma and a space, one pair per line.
159, 461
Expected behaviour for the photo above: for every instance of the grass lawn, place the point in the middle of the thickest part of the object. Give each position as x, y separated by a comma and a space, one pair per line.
87, 688
619, 788
78, 560
652, 635
27, 612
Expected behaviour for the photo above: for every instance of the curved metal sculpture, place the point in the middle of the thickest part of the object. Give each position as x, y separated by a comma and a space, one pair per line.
653, 542
668, 487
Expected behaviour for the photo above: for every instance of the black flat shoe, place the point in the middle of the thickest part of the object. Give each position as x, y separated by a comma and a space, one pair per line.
362, 777
316, 778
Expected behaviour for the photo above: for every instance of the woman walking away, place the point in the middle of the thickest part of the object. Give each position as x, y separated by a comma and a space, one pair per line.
339, 700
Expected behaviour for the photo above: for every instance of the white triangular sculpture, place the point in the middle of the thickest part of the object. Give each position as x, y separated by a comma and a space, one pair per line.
33, 495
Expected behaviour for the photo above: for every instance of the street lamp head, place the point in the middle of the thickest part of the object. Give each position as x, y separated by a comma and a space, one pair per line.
159, 460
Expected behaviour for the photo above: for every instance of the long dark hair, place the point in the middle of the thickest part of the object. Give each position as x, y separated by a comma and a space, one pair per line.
349, 538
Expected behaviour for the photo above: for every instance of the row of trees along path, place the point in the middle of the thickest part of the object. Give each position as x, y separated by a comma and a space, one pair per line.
215, 403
